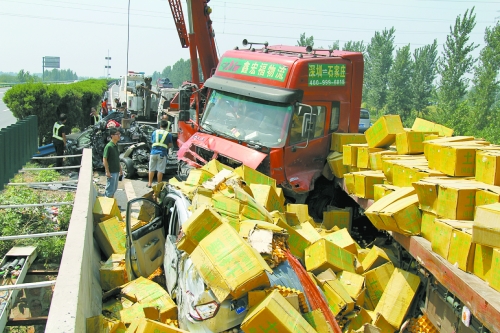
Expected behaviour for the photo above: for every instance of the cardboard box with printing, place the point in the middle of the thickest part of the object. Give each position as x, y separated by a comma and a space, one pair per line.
409, 143
376, 158
456, 202
274, 313
403, 216
335, 161
397, 297
376, 280
228, 264
486, 228
252, 176
487, 196
431, 148
105, 208
488, 166
343, 239
364, 181
383, 132
113, 273
444, 232
110, 237
483, 259
324, 254
494, 279
336, 295
373, 212
364, 156
427, 227
350, 154
455, 160
381, 190
423, 125
341, 139
266, 195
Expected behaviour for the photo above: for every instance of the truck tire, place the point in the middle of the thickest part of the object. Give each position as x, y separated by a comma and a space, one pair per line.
128, 167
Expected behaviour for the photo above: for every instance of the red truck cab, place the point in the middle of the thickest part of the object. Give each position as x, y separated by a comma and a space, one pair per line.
274, 109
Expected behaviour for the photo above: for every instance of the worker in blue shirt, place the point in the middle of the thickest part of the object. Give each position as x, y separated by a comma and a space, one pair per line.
162, 141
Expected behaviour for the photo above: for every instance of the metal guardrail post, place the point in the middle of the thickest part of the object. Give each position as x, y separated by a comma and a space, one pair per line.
3, 161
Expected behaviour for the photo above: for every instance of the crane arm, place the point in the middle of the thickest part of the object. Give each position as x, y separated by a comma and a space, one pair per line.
180, 25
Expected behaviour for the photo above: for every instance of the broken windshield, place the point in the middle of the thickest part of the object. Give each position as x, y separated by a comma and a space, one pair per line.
247, 119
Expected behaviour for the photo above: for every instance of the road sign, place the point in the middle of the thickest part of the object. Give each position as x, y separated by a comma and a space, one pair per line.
51, 62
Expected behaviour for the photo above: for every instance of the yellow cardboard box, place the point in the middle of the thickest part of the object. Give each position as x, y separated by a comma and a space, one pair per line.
353, 283
349, 183
201, 223
336, 217
110, 237
483, 260
364, 181
224, 204
486, 228
373, 212
456, 202
364, 156
494, 278
432, 148
317, 320
442, 235
113, 273
487, 196
455, 160
350, 154
102, 324
488, 166
324, 254
337, 297
105, 208
275, 313
427, 228
341, 139
343, 239
384, 130
300, 237
397, 297
266, 195
381, 190
198, 177
301, 210
335, 161
148, 325
403, 216
228, 264
252, 176
462, 249
357, 319
423, 125
375, 257
376, 158
427, 195
376, 280
409, 143
214, 167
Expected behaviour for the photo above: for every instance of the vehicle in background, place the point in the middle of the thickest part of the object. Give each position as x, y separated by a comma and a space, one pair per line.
136, 90
364, 120
163, 83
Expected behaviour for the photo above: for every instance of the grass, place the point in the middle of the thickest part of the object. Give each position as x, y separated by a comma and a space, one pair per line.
32, 220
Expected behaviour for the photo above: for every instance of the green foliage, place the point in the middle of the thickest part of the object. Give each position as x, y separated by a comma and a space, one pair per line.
378, 62
454, 64
399, 91
354, 46
484, 94
32, 220
48, 101
422, 80
305, 41
23, 76
59, 75
334, 46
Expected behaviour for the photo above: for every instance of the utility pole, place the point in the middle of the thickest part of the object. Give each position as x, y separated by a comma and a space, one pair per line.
108, 58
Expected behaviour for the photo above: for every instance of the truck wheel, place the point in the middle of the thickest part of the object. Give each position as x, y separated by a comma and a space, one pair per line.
127, 167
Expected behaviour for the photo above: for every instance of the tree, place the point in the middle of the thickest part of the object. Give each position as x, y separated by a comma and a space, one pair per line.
424, 74
334, 46
354, 46
485, 90
23, 76
305, 41
378, 62
399, 92
455, 62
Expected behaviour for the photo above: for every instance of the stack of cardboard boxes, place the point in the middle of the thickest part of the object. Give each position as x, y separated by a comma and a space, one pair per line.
443, 188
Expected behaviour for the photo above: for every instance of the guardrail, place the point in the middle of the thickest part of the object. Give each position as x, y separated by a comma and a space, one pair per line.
18, 143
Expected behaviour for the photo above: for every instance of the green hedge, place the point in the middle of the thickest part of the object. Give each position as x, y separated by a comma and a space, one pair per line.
48, 101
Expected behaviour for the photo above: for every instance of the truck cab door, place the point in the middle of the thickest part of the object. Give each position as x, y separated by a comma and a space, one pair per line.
145, 238
307, 146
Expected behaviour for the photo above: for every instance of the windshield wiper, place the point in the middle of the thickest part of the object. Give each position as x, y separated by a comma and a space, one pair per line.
208, 128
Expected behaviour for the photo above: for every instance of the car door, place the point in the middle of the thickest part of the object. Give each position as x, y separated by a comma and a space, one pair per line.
145, 243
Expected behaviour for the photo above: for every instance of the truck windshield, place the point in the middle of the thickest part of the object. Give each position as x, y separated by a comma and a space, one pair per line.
247, 119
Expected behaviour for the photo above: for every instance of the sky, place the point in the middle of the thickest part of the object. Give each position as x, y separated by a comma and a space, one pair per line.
83, 32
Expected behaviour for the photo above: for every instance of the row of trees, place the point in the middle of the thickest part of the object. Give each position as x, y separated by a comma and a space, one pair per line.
452, 88
178, 73
52, 75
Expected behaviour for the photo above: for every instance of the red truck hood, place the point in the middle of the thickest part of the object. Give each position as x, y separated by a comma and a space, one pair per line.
220, 146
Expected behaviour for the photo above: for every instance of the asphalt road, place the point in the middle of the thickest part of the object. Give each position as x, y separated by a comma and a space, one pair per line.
6, 116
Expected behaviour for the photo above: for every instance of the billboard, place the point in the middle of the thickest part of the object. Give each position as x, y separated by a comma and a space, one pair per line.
51, 62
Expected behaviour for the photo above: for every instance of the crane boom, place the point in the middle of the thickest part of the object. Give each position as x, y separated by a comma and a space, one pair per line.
180, 25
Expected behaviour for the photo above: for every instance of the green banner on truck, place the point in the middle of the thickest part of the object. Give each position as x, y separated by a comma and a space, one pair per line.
326, 75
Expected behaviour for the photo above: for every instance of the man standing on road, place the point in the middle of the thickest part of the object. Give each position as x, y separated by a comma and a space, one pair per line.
94, 116
104, 107
59, 138
162, 141
111, 161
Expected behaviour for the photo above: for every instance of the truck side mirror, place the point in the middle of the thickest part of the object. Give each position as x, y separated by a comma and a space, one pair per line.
184, 98
308, 125
184, 115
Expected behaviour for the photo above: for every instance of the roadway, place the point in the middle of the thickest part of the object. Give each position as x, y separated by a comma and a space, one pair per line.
6, 116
